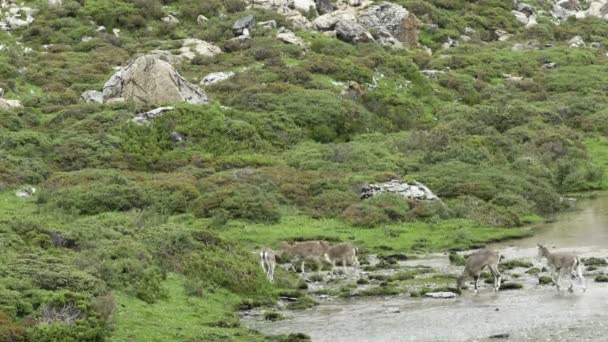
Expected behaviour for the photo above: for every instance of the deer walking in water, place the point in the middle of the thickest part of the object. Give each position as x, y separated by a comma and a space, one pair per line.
269, 262
562, 263
476, 262
343, 253
307, 250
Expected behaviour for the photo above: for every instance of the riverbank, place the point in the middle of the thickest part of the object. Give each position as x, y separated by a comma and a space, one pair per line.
536, 311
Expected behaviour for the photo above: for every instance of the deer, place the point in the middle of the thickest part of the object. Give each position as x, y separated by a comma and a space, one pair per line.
478, 261
561, 263
268, 260
306, 250
344, 253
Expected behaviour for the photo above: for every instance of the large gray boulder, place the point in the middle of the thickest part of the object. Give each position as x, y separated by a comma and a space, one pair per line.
92, 96
150, 80
216, 77
324, 6
352, 32
415, 191
390, 21
243, 26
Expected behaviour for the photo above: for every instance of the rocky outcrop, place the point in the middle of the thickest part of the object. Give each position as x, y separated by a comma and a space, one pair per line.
289, 37
238, 44
392, 24
150, 80
576, 41
193, 47
324, 6
243, 26
9, 104
416, 191
25, 192
353, 32
216, 77
13, 17
92, 96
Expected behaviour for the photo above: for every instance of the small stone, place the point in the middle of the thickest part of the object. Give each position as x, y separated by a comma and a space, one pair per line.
201, 20
440, 295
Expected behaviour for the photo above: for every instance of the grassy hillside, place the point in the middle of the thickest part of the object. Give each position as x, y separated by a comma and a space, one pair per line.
146, 239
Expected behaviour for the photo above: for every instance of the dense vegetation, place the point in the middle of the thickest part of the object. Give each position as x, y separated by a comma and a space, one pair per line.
135, 237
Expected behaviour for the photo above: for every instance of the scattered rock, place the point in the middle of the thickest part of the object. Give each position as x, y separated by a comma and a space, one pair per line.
593, 261
595, 45
545, 280
216, 77
176, 137
238, 44
289, 37
243, 26
602, 278
324, 6
116, 32
352, 32
576, 41
510, 286
55, 3
170, 20
499, 336
147, 117
25, 192
193, 47
8, 104
304, 5
432, 74
150, 80
268, 24
92, 96
392, 24
416, 190
441, 295
449, 43
551, 65
15, 17
502, 35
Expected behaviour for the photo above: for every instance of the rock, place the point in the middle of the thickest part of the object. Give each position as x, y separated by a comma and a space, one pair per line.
324, 6
328, 21
216, 77
85, 39
450, 43
417, 191
147, 117
201, 20
289, 37
170, 20
243, 25
595, 45
502, 35
92, 96
9, 104
55, 3
268, 24
193, 47
551, 65
176, 137
237, 44
295, 18
528, 10
16, 17
100, 29
576, 41
352, 32
304, 5
1, 92
499, 336
116, 32
432, 74
25, 192
532, 21
442, 295
391, 21
521, 17
150, 80
465, 38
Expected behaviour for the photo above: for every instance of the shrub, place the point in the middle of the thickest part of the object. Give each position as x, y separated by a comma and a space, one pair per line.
365, 215
242, 201
9, 330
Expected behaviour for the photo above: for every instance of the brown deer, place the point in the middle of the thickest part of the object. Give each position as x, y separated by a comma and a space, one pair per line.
476, 262
303, 251
343, 253
562, 263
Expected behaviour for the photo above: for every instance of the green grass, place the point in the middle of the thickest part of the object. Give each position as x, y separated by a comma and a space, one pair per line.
180, 317
597, 148
418, 236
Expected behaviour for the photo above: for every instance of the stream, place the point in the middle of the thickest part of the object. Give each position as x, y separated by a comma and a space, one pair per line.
534, 313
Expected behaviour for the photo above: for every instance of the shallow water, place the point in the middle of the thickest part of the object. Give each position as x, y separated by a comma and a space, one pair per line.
534, 313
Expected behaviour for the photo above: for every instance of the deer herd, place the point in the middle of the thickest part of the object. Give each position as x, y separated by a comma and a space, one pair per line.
560, 264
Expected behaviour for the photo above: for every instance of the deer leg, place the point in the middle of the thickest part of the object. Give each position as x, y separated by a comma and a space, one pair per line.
302, 268
555, 278
476, 279
579, 271
344, 265
497, 277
